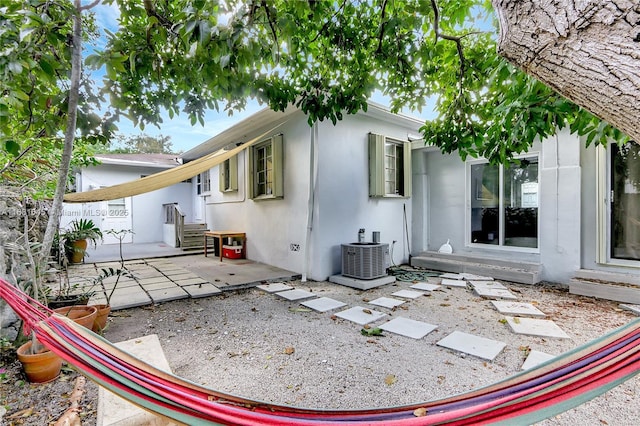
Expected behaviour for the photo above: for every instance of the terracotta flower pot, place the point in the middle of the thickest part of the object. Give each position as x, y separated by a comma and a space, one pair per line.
78, 251
100, 322
81, 314
42, 367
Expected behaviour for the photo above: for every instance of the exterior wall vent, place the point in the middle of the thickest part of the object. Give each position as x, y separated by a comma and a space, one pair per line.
364, 261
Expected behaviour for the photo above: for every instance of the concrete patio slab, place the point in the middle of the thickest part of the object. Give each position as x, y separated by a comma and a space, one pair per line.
156, 280
487, 284
190, 281
633, 308
426, 286
323, 304
296, 294
497, 291
202, 290
274, 287
452, 276
121, 300
167, 294
387, 302
115, 411
159, 285
408, 294
183, 275
535, 358
473, 345
361, 315
450, 282
517, 309
408, 327
361, 284
536, 327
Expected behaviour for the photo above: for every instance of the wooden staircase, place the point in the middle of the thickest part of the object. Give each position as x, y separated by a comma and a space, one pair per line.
193, 236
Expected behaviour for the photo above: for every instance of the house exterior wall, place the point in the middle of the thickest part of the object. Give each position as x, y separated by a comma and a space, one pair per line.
445, 194
270, 225
342, 205
343, 201
147, 216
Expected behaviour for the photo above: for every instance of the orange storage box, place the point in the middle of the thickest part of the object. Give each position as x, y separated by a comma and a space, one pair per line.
232, 252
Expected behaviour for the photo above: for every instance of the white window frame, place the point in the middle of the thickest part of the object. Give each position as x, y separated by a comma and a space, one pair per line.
203, 183
470, 192
378, 167
276, 188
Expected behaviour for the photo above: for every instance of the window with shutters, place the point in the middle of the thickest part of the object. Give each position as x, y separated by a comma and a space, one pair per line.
389, 167
265, 162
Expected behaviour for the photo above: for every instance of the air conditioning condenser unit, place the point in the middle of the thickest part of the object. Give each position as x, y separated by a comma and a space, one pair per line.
364, 261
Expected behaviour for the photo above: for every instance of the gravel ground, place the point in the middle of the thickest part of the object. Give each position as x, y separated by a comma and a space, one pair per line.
263, 347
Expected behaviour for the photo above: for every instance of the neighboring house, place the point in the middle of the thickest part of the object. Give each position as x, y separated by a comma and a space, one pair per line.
300, 192
144, 213
560, 211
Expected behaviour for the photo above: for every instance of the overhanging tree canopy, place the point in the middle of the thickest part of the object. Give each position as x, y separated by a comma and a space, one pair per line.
328, 57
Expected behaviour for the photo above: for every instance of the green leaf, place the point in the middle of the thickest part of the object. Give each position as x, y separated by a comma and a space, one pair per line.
12, 147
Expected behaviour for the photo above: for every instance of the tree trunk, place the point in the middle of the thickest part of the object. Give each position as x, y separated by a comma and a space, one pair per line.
586, 50
69, 134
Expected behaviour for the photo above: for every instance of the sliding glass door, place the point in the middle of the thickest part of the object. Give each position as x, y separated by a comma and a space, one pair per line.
625, 201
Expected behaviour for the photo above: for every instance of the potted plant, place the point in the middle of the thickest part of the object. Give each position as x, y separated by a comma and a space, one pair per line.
77, 238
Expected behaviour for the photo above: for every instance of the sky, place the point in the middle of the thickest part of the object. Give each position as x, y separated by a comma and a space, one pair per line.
183, 135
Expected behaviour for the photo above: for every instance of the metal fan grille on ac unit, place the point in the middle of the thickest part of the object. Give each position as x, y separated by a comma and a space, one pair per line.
364, 261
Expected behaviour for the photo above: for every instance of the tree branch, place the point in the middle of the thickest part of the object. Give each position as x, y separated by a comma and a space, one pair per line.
382, 23
89, 6
456, 39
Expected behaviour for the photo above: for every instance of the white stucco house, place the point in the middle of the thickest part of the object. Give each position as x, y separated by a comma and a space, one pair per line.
560, 211
143, 214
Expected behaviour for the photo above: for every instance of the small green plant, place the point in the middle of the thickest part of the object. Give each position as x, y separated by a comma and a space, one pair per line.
83, 229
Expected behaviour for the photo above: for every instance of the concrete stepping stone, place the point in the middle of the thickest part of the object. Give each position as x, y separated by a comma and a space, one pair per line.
473, 345
496, 291
474, 277
201, 290
274, 287
408, 294
425, 286
517, 309
360, 315
113, 410
387, 302
536, 358
408, 327
452, 276
449, 282
487, 284
295, 294
536, 327
323, 304
633, 308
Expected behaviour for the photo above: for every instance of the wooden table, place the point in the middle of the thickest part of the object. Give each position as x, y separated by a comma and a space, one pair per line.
220, 235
